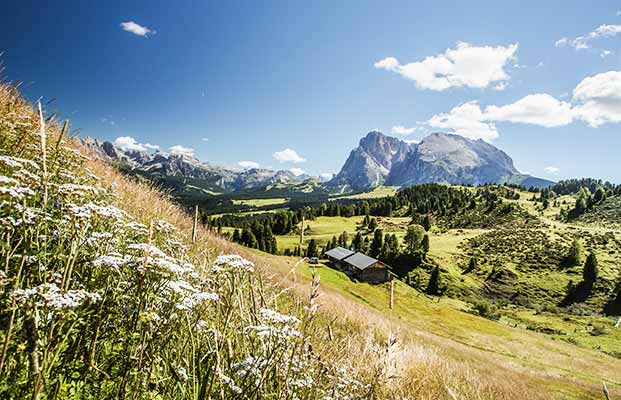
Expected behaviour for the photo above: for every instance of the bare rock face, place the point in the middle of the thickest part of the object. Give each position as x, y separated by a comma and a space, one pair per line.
438, 158
369, 164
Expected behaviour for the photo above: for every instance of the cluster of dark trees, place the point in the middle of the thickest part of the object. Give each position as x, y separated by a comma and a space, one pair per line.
570, 186
257, 236
577, 293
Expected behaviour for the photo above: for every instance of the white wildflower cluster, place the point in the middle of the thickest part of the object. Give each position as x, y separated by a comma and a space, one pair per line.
89, 210
51, 296
17, 162
71, 189
233, 262
276, 325
190, 296
251, 368
228, 381
183, 374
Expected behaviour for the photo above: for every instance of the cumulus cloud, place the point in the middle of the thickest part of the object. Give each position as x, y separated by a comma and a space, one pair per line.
248, 164
326, 176
466, 120
466, 65
471, 121
181, 150
129, 143
598, 99
204, 139
402, 130
584, 42
536, 109
605, 53
136, 29
288, 155
297, 171
552, 170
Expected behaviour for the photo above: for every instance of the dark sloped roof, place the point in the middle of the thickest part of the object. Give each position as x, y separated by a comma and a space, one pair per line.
360, 261
339, 253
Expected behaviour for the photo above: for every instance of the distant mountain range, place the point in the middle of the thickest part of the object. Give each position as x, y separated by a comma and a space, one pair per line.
438, 158
182, 170
378, 160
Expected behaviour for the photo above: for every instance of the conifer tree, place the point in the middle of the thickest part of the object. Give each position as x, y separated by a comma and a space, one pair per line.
377, 243
575, 252
433, 287
589, 273
311, 250
425, 243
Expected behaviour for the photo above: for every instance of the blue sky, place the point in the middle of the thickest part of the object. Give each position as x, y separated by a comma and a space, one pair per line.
295, 84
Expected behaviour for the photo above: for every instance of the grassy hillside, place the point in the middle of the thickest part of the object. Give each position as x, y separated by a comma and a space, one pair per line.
103, 294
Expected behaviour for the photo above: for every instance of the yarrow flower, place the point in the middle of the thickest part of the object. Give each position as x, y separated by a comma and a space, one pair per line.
51, 296
233, 261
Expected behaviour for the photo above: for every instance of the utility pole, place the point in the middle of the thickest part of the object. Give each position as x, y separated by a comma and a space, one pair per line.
195, 225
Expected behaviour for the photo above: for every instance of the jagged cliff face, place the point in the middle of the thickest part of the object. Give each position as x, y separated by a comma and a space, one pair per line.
439, 158
369, 164
218, 179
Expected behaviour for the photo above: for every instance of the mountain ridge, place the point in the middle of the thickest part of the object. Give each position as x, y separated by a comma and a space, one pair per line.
438, 158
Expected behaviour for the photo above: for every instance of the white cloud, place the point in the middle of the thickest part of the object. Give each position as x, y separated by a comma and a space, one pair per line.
562, 42
288, 155
552, 170
129, 143
402, 130
326, 176
412, 141
583, 42
181, 150
107, 120
605, 53
297, 171
470, 121
465, 120
466, 65
598, 99
537, 109
136, 29
204, 139
248, 164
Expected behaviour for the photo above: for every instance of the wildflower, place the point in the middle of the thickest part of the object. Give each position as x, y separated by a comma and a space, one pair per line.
271, 316
234, 261
50, 295
201, 324
148, 248
111, 261
267, 331
183, 374
228, 381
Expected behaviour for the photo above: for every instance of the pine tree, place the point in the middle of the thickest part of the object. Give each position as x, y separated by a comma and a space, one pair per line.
413, 238
575, 252
372, 225
356, 243
427, 223
433, 287
589, 273
311, 250
425, 243
377, 243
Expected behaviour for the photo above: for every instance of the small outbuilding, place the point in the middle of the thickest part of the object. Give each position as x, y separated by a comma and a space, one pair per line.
368, 269
359, 266
337, 255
